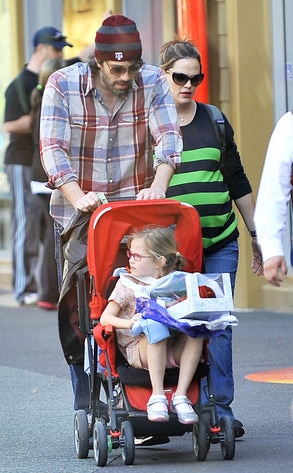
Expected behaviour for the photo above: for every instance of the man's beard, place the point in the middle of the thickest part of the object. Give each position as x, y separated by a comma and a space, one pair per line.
112, 85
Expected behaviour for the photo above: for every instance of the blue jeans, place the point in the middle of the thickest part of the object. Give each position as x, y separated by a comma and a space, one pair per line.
80, 387
220, 348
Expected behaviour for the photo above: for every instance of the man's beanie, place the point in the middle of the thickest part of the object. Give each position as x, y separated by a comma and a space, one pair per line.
118, 40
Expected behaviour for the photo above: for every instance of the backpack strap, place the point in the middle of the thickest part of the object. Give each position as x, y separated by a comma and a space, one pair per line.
217, 118
23, 100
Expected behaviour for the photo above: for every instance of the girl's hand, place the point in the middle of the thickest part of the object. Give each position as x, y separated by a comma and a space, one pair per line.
134, 318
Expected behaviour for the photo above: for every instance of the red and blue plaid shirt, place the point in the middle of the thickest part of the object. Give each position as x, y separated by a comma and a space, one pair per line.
112, 153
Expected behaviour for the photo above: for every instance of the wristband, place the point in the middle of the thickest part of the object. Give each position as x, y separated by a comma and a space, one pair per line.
102, 197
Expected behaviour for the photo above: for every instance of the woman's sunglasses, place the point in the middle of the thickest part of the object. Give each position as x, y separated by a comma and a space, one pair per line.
180, 79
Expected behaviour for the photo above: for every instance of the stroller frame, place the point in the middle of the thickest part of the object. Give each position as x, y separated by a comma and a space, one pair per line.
114, 426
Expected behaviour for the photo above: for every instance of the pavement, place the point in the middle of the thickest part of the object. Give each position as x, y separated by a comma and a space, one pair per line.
36, 408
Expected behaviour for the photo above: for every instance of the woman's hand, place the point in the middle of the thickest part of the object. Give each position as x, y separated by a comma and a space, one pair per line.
257, 263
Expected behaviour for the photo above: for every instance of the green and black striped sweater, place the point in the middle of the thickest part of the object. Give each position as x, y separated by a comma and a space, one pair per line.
208, 185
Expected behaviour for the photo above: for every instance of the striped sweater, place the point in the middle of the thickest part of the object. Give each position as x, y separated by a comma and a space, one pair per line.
208, 185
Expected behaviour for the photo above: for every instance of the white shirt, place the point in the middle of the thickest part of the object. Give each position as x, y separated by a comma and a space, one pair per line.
275, 189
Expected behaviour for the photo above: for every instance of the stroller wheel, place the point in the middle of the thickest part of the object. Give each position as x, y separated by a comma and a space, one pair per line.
81, 434
127, 443
100, 443
200, 437
227, 438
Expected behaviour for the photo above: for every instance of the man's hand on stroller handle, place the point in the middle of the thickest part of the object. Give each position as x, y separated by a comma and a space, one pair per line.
88, 202
78, 199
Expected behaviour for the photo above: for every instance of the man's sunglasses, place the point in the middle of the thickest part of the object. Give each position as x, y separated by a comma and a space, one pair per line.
58, 37
180, 79
120, 70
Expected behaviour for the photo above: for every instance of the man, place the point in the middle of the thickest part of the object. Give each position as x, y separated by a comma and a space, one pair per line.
101, 123
273, 199
48, 43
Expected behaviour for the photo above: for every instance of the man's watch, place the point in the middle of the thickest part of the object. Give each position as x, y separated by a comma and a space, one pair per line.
252, 233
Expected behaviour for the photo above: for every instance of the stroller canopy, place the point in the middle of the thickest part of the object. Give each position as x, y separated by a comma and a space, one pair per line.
111, 222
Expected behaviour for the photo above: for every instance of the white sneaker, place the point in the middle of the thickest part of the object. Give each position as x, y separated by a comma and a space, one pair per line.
31, 299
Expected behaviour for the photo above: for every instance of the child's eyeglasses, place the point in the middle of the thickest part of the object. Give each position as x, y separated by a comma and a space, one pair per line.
180, 79
136, 256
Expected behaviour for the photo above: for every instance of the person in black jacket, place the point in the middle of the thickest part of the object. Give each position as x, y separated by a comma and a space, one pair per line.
48, 43
44, 224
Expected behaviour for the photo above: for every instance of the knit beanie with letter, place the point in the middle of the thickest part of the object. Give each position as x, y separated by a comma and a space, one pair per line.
118, 40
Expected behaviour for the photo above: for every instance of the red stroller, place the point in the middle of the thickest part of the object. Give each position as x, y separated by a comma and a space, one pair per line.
127, 389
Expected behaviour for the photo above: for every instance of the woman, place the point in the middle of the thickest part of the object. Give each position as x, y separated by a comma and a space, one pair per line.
210, 183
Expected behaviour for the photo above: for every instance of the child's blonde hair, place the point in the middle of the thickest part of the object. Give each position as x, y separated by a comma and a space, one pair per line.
160, 241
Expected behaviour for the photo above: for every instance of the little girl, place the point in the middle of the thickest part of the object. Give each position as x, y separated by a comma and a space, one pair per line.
153, 253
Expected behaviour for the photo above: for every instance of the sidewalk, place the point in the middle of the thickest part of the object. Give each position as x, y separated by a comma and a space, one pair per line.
5, 270
7, 298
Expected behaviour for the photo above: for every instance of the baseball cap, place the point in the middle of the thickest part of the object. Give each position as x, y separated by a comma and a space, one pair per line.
52, 36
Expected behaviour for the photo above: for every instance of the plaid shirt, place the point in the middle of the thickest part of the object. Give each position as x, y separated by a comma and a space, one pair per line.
111, 153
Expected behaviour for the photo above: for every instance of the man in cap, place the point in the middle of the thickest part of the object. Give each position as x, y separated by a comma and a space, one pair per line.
101, 124
48, 43
52, 38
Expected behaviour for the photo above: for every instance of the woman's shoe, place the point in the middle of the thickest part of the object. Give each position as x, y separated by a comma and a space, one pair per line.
157, 408
182, 406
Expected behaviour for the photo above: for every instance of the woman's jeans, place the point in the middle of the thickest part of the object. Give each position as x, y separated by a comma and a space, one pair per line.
220, 348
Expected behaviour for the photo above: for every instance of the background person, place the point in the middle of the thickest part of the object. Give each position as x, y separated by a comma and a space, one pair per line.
48, 43
211, 186
43, 222
273, 199
99, 124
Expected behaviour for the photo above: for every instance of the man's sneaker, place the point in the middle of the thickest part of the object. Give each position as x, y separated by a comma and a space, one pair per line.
30, 299
238, 428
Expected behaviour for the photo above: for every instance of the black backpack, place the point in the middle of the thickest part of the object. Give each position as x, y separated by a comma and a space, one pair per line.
218, 121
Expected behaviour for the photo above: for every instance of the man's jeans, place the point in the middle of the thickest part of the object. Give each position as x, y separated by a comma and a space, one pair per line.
220, 348
80, 387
